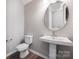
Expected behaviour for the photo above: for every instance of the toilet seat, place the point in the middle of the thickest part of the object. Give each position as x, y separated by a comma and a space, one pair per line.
22, 47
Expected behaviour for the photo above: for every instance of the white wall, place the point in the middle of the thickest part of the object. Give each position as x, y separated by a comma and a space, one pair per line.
34, 13
34, 24
15, 24
26, 1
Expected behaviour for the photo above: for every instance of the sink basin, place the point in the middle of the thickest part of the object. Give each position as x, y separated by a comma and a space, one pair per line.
57, 40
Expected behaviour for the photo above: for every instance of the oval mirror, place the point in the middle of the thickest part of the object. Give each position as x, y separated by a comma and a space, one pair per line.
56, 16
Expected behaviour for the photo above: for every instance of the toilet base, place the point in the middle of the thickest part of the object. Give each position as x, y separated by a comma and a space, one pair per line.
23, 54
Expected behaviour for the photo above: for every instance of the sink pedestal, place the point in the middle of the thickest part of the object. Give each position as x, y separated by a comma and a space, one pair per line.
52, 51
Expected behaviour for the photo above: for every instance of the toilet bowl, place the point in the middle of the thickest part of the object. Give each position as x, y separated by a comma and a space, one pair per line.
23, 47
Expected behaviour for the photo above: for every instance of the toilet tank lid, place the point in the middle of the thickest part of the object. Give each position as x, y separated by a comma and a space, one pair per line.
28, 35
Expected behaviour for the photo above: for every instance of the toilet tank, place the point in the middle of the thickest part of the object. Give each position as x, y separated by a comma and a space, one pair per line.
28, 39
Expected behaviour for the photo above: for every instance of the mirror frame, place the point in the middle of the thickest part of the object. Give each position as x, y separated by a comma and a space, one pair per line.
66, 17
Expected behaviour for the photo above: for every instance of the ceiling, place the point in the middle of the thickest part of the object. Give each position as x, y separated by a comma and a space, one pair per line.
26, 1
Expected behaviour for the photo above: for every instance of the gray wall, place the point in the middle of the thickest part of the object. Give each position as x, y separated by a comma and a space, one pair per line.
34, 24
14, 24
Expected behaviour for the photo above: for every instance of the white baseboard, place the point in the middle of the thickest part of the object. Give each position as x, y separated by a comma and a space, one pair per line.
11, 53
39, 54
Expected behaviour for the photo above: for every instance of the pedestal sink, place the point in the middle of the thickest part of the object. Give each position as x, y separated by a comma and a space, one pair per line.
53, 41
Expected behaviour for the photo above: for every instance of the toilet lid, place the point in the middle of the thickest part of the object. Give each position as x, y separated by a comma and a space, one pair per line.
22, 46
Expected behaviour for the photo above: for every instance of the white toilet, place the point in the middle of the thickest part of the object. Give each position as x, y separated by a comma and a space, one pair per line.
23, 47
